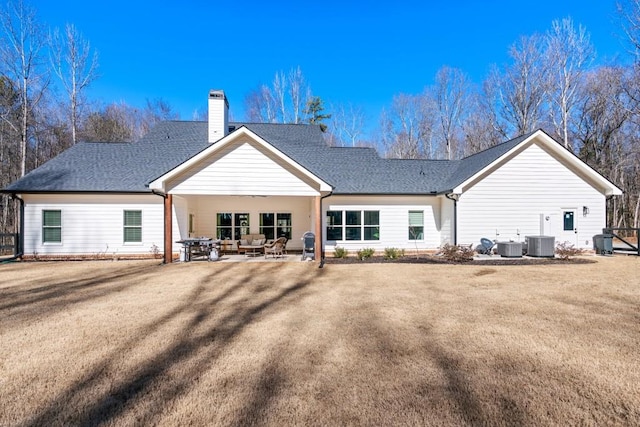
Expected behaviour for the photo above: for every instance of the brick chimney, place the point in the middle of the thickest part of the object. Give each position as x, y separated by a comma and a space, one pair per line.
218, 115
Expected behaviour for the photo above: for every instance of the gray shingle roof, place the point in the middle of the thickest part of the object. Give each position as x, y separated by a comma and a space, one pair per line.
129, 167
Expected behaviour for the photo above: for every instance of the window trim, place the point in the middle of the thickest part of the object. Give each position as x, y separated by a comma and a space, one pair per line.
343, 224
44, 241
235, 228
412, 226
126, 227
276, 228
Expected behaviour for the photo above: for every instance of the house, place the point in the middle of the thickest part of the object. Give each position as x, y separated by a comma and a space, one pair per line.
223, 179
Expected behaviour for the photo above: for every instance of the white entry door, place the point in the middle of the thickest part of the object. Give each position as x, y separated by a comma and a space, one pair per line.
569, 226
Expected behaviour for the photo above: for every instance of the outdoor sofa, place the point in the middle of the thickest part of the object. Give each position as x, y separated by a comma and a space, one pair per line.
253, 243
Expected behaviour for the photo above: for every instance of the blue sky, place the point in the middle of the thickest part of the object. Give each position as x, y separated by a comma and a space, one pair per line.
349, 52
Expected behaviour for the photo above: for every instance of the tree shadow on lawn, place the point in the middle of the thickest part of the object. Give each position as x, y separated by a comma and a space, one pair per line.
46, 297
421, 381
214, 322
221, 308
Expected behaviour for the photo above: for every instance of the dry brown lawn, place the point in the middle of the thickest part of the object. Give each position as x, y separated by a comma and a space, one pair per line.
138, 343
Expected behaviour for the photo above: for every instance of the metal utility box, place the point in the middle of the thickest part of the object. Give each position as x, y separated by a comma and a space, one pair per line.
308, 245
540, 246
603, 244
510, 249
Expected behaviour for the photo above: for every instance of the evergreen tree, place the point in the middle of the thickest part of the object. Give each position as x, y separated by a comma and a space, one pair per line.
314, 112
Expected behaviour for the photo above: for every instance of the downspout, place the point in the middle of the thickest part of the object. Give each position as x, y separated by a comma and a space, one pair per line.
167, 257
20, 251
454, 197
320, 236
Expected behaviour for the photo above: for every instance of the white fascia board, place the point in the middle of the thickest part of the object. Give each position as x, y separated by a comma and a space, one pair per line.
609, 189
159, 183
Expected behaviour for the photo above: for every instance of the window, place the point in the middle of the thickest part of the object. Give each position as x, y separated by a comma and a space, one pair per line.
334, 225
133, 226
371, 225
353, 221
357, 225
52, 226
224, 229
568, 221
274, 225
232, 225
416, 225
241, 224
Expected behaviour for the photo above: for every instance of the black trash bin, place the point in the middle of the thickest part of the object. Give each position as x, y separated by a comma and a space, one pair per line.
603, 244
308, 245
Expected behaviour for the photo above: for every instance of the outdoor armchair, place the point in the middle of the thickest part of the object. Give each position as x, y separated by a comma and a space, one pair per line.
276, 248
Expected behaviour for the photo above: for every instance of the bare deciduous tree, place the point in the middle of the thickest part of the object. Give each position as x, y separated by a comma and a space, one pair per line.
522, 86
283, 102
407, 127
451, 90
115, 123
347, 124
481, 127
260, 105
569, 53
156, 110
76, 68
21, 55
300, 94
629, 13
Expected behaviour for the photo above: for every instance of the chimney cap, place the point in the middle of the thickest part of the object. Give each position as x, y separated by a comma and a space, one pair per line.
218, 94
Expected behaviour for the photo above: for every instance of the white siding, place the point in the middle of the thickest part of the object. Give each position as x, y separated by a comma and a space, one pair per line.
218, 116
394, 221
206, 208
93, 224
507, 203
446, 213
243, 168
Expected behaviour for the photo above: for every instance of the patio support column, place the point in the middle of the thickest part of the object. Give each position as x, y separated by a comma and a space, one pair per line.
318, 229
168, 230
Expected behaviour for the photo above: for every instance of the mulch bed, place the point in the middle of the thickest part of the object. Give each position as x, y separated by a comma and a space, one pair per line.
426, 259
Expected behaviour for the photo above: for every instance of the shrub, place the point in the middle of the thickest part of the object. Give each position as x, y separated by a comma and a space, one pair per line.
566, 250
365, 253
339, 252
456, 253
393, 253
155, 251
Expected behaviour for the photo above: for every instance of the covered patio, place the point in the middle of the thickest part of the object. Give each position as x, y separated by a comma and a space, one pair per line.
240, 185
226, 219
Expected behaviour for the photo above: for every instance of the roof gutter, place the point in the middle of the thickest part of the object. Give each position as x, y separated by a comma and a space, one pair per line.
454, 197
159, 193
20, 252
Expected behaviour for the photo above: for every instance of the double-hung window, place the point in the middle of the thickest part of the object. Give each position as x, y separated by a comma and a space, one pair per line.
416, 225
132, 227
353, 225
51, 226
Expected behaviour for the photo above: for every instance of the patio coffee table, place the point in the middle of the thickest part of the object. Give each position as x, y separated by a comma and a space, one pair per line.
253, 252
